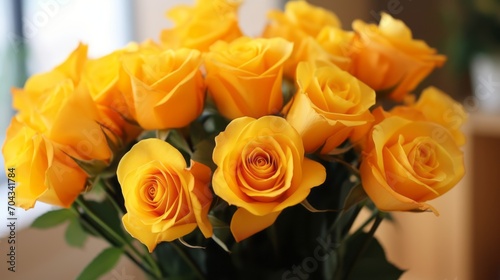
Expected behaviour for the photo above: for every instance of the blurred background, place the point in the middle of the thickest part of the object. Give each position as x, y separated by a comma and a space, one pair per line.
463, 243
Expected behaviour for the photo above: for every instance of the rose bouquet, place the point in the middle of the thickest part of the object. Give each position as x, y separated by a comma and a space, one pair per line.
212, 155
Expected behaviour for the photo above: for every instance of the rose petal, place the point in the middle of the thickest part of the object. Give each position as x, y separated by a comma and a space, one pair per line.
384, 197
201, 196
146, 151
244, 224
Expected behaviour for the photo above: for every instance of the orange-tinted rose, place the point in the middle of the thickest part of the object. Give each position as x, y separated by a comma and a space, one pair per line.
104, 78
36, 86
329, 104
261, 168
200, 26
301, 23
386, 57
307, 18
244, 77
406, 163
436, 106
68, 116
336, 42
57, 125
164, 198
44, 172
167, 87
101, 76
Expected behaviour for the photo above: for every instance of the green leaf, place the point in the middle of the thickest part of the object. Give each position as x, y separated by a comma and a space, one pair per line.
216, 222
355, 196
203, 153
312, 209
372, 264
115, 144
101, 264
92, 167
75, 234
162, 134
197, 132
215, 124
288, 90
190, 246
340, 150
220, 243
52, 218
171, 263
96, 185
108, 213
177, 140
146, 134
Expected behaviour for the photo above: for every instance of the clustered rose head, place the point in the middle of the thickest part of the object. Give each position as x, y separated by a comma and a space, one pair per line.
58, 124
412, 153
261, 168
244, 77
329, 104
164, 198
86, 111
387, 58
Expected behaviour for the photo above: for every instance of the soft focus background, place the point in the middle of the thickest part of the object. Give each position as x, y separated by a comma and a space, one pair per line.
463, 243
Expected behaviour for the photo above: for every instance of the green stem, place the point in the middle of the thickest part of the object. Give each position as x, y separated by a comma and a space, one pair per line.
352, 219
273, 236
189, 260
340, 216
108, 188
378, 220
127, 253
344, 236
375, 214
80, 202
119, 239
109, 193
91, 227
152, 262
349, 166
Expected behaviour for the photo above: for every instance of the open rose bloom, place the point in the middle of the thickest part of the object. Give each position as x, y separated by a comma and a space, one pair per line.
208, 154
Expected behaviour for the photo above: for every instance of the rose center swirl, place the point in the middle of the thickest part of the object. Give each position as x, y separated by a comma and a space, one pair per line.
261, 164
261, 172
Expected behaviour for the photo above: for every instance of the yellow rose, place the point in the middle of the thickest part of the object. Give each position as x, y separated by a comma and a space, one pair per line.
329, 104
301, 23
104, 78
58, 105
360, 134
244, 77
165, 200
124, 82
308, 18
386, 57
69, 71
436, 106
200, 26
118, 128
336, 42
167, 87
43, 171
69, 117
406, 163
58, 125
261, 168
